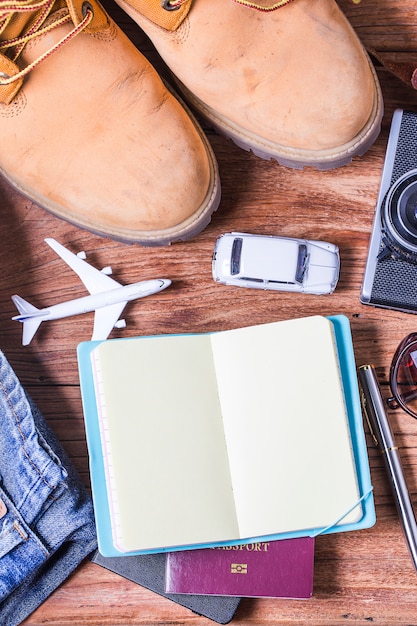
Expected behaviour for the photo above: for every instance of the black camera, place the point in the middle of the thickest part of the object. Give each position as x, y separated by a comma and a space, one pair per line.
391, 270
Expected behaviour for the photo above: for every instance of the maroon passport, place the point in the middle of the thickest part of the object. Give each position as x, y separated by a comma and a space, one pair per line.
278, 569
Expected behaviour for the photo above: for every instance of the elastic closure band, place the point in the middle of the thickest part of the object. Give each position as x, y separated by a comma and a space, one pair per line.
323, 530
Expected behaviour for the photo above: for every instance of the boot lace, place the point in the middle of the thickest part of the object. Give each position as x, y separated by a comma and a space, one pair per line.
42, 10
172, 5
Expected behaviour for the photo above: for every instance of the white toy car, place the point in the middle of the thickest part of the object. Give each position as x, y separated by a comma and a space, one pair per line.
279, 263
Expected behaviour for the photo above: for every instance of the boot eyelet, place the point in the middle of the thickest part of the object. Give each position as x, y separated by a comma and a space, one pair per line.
86, 7
168, 6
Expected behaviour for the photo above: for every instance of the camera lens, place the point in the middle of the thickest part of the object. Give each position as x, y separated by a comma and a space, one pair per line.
400, 217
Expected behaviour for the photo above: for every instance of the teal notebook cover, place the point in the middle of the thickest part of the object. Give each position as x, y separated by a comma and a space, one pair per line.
347, 364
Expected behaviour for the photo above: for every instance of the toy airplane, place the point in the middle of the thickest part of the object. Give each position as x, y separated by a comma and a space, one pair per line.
107, 298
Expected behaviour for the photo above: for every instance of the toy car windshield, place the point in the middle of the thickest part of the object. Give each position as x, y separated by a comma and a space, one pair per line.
301, 263
236, 254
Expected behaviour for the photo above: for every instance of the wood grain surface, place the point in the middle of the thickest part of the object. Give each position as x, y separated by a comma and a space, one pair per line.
364, 577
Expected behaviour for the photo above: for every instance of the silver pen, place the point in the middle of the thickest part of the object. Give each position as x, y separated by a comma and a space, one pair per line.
381, 432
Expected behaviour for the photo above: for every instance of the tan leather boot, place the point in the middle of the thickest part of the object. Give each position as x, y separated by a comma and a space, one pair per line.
293, 83
89, 131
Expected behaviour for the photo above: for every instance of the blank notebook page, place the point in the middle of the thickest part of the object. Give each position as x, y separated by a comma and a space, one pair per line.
289, 443
167, 471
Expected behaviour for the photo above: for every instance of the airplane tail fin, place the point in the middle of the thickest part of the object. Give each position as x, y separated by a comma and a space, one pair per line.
30, 323
23, 306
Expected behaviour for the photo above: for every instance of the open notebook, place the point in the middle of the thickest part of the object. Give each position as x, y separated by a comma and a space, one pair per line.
223, 437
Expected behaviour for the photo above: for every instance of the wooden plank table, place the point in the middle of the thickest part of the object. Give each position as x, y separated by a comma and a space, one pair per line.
361, 577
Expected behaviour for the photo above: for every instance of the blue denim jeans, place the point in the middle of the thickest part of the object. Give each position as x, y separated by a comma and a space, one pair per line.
46, 516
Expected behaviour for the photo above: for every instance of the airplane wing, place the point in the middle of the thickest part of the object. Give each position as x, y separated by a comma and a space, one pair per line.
94, 280
105, 319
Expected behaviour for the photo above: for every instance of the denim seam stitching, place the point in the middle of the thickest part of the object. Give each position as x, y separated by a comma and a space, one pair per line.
20, 530
18, 527
17, 420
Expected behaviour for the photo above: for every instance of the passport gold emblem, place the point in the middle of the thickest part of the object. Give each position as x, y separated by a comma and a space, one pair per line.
239, 568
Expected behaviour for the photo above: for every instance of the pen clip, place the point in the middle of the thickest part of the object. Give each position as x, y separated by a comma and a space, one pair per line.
365, 412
